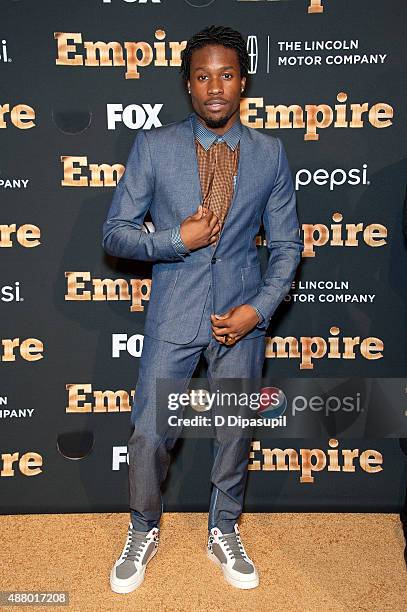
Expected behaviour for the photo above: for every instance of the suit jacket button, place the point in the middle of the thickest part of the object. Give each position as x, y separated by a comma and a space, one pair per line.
213, 260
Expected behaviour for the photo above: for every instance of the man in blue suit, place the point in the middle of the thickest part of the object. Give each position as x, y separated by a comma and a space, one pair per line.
208, 182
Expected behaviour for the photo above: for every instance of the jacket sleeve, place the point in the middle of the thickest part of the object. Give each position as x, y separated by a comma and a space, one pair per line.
284, 243
123, 235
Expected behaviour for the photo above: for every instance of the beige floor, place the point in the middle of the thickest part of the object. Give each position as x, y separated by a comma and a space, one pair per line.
307, 563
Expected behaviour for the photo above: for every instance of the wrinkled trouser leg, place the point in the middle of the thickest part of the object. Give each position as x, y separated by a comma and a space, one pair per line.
244, 360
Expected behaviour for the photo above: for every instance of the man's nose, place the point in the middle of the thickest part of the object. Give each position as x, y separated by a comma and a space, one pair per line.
215, 86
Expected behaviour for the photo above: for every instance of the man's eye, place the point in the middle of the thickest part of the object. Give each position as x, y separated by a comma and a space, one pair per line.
228, 74
201, 76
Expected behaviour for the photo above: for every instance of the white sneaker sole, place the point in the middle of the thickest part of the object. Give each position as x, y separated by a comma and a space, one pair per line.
240, 584
117, 585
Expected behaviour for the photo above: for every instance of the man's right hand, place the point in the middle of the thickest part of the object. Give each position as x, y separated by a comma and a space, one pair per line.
200, 229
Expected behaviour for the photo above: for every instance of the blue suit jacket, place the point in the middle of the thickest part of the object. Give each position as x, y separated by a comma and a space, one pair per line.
162, 176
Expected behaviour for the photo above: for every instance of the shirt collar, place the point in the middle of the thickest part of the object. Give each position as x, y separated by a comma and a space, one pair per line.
206, 137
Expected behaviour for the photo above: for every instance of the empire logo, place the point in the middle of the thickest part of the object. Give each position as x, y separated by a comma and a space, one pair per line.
21, 116
373, 235
307, 460
105, 289
101, 401
26, 235
315, 117
131, 54
30, 349
28, 464
309, 348
338, 235
101, 175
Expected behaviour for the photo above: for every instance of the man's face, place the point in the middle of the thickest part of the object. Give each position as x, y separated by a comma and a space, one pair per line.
215, 85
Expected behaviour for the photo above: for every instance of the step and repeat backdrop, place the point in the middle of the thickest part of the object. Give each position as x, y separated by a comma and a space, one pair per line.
77, 81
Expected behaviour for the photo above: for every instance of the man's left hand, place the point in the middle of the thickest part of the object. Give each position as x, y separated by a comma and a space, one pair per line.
232, 325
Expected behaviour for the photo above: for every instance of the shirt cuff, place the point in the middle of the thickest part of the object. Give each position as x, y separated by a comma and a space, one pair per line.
259, 314
177, 242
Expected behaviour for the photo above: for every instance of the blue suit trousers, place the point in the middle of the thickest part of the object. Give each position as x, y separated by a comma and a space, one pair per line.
149, 452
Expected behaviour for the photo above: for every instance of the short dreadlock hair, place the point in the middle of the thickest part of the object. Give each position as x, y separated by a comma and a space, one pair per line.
215, 35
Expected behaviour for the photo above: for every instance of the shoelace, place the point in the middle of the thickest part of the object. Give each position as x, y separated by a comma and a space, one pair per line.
134, 546
234, 545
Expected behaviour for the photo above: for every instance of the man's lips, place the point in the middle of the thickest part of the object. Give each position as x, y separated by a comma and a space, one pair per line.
215, 104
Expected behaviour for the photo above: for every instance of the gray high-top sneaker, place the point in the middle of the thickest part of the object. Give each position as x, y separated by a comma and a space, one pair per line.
128, 572
227, 551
